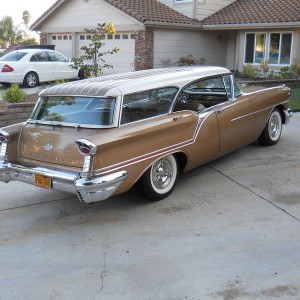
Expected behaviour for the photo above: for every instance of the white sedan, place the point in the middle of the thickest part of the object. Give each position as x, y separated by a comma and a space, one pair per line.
29, 67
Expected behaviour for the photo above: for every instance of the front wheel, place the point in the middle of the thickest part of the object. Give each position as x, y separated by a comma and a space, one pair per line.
160, 179
272, 131
31, 80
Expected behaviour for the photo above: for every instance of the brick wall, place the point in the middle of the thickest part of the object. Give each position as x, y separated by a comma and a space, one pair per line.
144, 44
15, 113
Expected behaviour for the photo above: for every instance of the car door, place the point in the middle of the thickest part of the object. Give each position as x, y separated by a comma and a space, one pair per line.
61, 66
236, 119
39, 63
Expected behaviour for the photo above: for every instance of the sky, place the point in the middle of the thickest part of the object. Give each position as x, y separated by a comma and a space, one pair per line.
15, 8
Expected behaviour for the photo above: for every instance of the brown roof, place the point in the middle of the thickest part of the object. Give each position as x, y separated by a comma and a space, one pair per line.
145, 11
256, 11
151, 11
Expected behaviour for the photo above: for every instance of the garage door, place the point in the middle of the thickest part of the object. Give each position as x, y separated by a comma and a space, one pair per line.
123, 60
63, 44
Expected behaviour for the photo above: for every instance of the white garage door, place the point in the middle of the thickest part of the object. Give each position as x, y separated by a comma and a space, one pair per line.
63, 44
123, 60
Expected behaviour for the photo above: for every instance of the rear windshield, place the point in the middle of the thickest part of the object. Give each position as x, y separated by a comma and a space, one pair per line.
13, 56
75, 110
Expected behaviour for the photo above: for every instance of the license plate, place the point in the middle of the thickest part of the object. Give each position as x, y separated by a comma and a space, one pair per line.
43, 181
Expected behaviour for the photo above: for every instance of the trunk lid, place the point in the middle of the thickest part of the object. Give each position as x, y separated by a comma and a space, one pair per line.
52, 144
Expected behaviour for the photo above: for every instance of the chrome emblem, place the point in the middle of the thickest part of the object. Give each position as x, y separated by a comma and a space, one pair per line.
48, 147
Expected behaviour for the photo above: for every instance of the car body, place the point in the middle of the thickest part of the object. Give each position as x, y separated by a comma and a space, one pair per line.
100, 137
30, 67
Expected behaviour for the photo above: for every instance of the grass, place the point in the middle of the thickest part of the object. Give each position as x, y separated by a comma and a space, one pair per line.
295, 99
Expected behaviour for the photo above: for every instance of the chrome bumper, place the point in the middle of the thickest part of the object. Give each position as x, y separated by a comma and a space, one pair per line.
287, 114
88, 190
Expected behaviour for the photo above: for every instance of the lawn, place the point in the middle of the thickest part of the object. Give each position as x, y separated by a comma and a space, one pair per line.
295, 99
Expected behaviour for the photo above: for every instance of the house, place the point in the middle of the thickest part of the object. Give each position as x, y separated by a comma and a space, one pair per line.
150, 32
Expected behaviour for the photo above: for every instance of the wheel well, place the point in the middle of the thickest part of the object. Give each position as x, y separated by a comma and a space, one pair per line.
182, 160
281, 108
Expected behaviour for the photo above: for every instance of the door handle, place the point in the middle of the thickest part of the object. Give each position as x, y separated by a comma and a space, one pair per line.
177, 118
219, 110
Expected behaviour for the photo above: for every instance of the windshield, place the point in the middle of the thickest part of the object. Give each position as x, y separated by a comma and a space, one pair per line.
75, 110
13, 56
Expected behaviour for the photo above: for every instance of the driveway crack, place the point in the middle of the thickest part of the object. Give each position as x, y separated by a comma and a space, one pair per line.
255, 193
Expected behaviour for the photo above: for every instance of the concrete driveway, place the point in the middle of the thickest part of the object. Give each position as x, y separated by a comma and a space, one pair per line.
230, 230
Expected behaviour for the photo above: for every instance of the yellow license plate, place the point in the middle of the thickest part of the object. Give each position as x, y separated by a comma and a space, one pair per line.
43, 181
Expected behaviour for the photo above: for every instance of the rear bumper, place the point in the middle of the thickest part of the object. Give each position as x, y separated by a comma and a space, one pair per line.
88, 190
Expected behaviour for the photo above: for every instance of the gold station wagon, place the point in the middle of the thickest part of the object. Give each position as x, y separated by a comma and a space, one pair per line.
100, 137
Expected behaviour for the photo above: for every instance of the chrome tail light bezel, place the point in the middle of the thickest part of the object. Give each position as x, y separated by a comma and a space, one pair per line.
4, 143
88, 150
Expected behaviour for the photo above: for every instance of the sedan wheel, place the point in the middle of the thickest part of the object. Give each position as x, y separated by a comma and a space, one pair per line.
272, 131
159, 180
31, 79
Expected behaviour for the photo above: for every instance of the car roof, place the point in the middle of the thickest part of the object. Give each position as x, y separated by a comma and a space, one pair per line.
132, 82
33, 50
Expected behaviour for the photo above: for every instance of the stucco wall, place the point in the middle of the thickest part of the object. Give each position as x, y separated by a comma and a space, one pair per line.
170, 44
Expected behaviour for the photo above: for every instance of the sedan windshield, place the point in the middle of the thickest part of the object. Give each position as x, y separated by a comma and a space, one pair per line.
75, 110
13, 56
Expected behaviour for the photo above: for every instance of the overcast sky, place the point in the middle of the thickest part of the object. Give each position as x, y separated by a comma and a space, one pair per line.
15, 8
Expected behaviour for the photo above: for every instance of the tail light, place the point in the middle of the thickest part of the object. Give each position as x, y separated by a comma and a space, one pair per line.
4, 139
87, 149
7, 68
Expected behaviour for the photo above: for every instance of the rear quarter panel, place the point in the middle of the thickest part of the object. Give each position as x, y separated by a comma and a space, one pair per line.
264, 101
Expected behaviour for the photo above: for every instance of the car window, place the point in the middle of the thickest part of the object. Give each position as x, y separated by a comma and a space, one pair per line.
39, 57
56, 57
147, 104
78, 110
202, 94
13, 56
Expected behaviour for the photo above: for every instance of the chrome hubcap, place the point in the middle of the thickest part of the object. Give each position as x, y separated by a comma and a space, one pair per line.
31, 80
162, 173
274, 126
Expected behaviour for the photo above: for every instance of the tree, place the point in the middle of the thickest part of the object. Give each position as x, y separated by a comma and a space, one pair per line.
9, 32
92, 62
26, 19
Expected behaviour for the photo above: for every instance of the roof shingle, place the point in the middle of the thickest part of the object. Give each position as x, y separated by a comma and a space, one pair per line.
151, 11
256, 11
145, 11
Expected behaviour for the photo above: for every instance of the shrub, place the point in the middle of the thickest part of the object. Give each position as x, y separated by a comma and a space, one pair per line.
14, 94
249, 71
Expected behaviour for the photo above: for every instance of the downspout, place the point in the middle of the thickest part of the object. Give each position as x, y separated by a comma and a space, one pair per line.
195, 2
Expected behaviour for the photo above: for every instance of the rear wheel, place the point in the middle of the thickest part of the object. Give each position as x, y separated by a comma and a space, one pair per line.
31, 79
272, 131
160, 179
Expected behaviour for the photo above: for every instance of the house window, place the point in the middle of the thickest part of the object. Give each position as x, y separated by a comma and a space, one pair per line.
82, 37
255, 48
53, 37
274, 47
280, 48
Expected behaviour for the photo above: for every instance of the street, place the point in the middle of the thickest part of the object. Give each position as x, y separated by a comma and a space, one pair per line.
230, 230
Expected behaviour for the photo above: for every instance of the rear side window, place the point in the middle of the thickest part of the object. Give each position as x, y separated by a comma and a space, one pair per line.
147, 104
13, 56
39, 57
